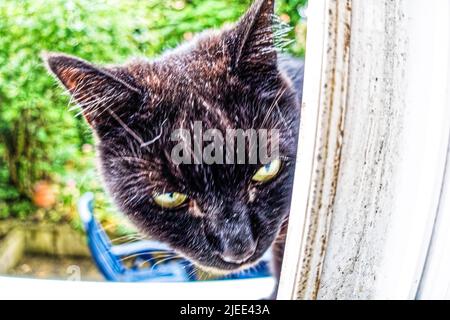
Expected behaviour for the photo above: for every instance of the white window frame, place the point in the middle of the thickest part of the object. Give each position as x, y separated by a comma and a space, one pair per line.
372, 153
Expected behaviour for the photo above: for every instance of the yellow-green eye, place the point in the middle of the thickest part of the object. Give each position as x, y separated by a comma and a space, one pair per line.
170, 200
268, 172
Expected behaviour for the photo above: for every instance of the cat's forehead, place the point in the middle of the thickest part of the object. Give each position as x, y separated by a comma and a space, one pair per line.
196, 67
196, 82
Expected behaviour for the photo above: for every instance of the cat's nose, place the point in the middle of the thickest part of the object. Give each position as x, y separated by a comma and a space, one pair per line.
237, 253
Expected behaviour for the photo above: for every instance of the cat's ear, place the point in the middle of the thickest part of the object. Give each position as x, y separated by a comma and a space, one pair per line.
98, 91
252, 40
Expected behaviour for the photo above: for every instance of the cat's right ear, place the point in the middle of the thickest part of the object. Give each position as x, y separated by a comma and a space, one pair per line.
100, 92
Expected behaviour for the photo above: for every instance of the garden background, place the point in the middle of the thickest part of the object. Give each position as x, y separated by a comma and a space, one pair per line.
46, 151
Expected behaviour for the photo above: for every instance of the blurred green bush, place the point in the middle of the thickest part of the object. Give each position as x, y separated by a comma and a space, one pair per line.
40, 140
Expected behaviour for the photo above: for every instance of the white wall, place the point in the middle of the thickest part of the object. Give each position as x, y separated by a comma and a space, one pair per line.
369, 233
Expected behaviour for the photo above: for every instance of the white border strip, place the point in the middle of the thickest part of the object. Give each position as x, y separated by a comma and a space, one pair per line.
21, 288
306, 147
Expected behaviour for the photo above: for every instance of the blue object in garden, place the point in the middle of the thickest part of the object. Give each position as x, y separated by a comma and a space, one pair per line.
148, 256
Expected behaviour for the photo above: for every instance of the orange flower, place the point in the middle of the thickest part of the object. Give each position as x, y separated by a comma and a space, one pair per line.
44, 195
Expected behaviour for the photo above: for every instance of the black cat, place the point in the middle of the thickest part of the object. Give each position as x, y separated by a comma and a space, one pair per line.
223, 217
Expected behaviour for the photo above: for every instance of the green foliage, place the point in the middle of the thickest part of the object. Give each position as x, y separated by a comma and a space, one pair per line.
39, 138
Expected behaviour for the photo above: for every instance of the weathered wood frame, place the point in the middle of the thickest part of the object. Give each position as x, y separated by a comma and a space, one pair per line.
372, 149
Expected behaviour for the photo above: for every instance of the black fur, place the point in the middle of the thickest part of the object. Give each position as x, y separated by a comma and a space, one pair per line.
232, 78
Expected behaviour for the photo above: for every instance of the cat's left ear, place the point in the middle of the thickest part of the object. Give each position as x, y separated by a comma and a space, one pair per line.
252, 41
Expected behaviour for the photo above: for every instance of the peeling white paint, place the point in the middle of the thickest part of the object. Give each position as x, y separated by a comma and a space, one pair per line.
368, 236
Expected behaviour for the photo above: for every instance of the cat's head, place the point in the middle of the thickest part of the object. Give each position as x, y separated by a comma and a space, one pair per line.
221, 216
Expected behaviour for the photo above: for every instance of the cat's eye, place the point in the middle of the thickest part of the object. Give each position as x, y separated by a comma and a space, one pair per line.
267, 172
170, 200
